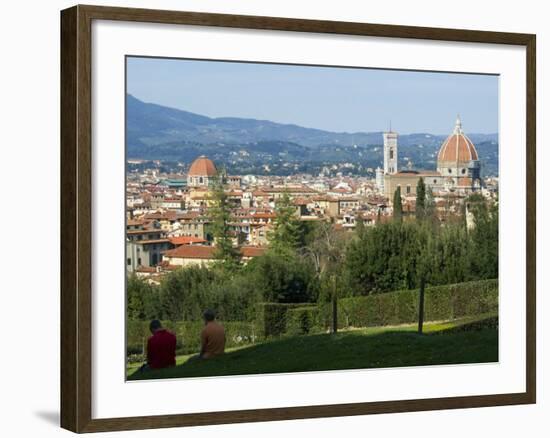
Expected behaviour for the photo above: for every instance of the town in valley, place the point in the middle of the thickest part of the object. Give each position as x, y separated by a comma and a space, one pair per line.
169, 209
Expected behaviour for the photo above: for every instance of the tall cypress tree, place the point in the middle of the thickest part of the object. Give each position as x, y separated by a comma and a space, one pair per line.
221, 216
429, 205
288, 233
420, 199
397, 206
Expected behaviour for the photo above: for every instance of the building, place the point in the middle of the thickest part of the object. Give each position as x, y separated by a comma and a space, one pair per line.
189, 255
458, 168
391, 161
144, 248
458, 161
202, 173
408, 179
380, 179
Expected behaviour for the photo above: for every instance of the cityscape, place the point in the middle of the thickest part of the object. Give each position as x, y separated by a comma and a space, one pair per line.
284, 218
169, 225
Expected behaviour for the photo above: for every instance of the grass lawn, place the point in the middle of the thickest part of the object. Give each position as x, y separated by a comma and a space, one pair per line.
443, 343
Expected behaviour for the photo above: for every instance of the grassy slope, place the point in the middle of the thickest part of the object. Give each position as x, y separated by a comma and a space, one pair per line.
362, 348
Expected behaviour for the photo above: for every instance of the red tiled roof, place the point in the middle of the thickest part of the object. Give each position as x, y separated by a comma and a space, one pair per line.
252, 251
202, 166
207, 252
457, 147
191, 252
186, 240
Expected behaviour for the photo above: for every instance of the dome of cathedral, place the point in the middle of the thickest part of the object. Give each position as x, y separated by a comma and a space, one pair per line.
202, 166
458, 148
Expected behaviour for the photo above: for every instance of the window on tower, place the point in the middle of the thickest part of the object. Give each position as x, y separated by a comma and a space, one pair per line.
391, 154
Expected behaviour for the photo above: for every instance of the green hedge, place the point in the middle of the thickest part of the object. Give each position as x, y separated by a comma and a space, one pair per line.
271, 318
302, 320
490, 322
401, 307
187, 335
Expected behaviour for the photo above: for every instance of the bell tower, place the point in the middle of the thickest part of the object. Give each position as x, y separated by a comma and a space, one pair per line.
390, 152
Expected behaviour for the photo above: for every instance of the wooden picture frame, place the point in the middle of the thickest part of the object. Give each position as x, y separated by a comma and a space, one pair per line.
76, 217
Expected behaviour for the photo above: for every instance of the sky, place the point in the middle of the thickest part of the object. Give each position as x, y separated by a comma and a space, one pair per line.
330, 98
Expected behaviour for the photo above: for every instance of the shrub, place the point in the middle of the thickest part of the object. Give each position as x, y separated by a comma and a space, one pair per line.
282, 278
271, 318
401, 307
301, 320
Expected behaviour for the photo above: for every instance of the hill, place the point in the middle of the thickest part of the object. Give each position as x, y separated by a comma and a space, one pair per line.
158, 132
453, 342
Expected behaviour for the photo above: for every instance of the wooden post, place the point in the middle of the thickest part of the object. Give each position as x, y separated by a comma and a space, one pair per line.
421, 305
334, 306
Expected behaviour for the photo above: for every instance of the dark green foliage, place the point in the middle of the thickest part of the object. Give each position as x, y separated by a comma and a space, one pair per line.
397, 206
385, 258
302, 320
271, 318
220, 215
288, 234
439, 301
398, 255
450, 256
282, 278
429, 207
484, 237
186, 293
420, 208
143, 301
442, 303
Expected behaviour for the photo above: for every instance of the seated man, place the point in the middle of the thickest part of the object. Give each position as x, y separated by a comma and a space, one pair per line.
212, 336
161, 347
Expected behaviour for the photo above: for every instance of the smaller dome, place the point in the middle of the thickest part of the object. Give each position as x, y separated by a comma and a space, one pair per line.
202, 166
457, 147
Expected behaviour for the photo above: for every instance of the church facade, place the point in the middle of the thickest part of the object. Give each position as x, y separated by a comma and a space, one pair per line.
202, 173
458, 168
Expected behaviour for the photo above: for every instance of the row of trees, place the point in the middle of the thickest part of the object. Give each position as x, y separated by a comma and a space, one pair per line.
311, 262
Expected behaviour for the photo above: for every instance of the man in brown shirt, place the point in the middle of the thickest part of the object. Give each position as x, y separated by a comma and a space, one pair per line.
212, 336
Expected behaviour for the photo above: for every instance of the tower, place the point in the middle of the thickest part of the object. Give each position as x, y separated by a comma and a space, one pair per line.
390, 152
380, 179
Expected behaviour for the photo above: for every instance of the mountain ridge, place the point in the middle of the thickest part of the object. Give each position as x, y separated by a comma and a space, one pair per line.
158, 132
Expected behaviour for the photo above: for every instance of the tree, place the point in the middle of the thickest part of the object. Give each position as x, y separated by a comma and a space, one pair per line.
288, 234
221, 216
282, 278
420, 199
397, 206
326, 250
143, 300
186, 293
429, 206
484, 237
424, 267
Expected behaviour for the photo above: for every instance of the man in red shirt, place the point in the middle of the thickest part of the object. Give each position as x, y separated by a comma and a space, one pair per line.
161, 347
